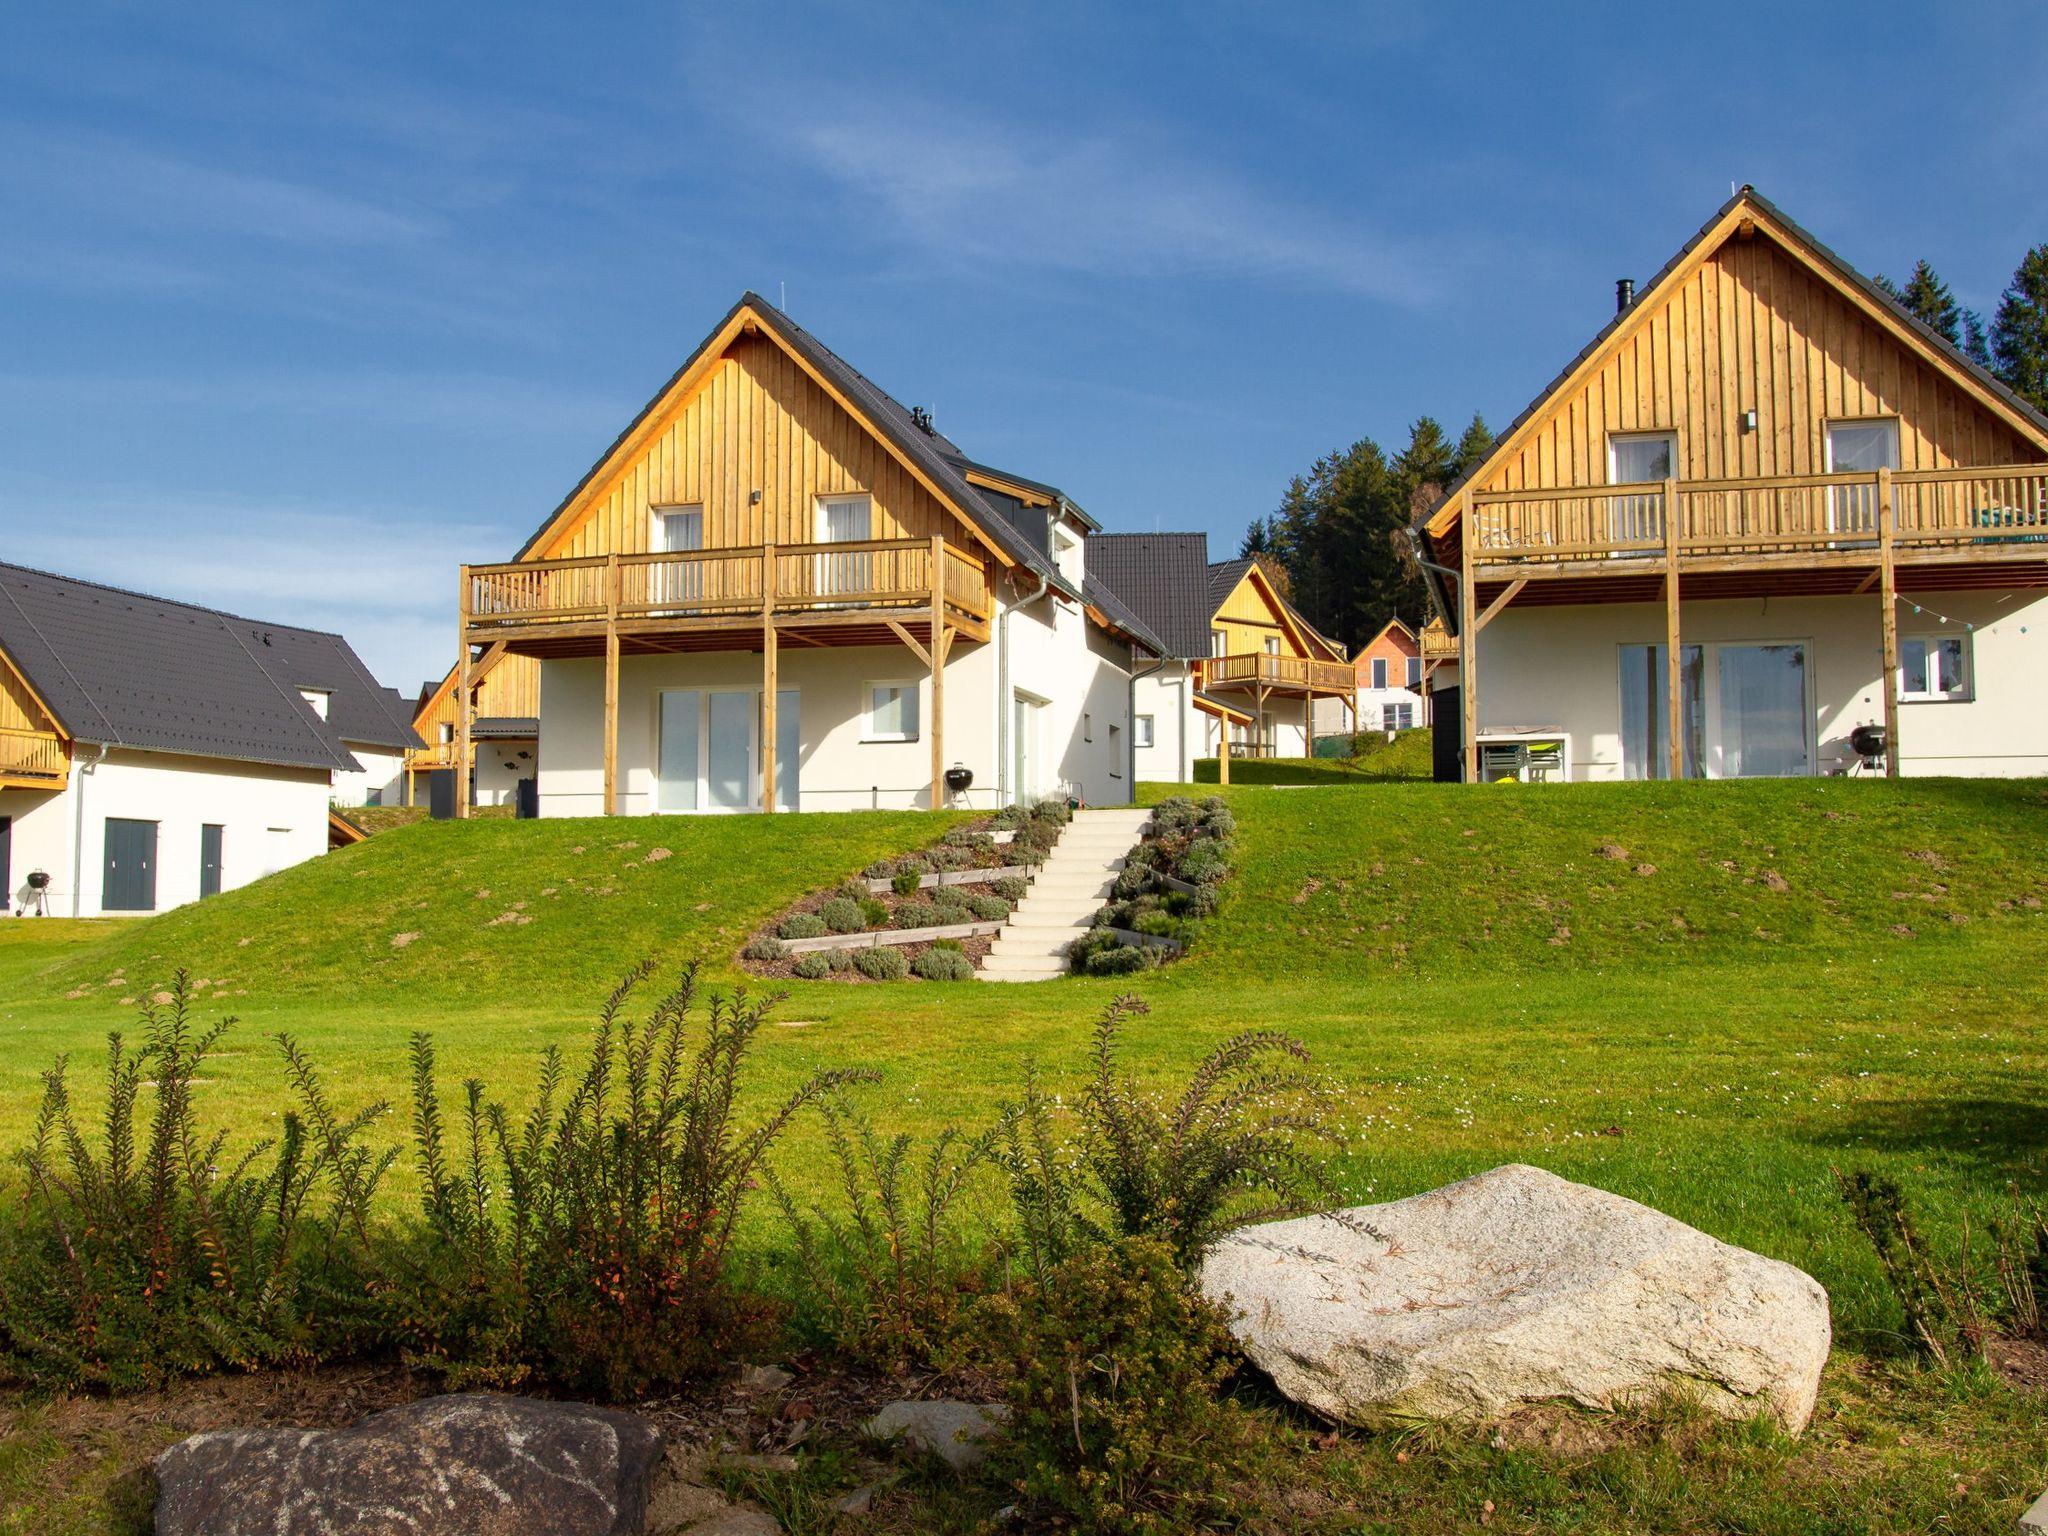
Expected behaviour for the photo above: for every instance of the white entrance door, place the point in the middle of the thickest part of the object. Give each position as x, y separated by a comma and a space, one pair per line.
679, 758
1026, 747
1765, 726
1858, 447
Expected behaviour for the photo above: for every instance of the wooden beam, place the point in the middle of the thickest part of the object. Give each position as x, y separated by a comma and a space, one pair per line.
1507, 596
924, 657
1674, 672
462, 699
611, 686
1222, 751
1468, 654
770, 663
937, 662
1888, 595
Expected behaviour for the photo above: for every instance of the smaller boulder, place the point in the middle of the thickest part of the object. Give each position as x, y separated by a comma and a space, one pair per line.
956, 1433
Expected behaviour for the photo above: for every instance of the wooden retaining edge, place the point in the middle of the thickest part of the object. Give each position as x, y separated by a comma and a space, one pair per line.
1175, 883
958, 877
881, 936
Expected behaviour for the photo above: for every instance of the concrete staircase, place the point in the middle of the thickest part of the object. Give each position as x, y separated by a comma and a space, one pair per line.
1067, 892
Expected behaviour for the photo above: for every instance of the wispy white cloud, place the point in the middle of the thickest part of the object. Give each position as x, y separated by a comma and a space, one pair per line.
1118, 202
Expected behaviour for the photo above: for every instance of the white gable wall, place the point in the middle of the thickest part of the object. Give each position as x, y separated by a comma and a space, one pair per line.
179, 794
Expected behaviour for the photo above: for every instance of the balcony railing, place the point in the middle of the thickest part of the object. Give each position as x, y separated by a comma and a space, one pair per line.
1991, 509
686, 585
1255, 669
32, 755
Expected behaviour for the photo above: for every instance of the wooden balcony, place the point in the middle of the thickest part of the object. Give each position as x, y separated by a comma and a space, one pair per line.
1971, 516
32, 759
1255, 671
698, 597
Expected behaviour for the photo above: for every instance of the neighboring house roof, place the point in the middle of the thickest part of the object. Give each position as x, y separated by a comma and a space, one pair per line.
933, 455
125, 669
1113, 613
1831, 267
1216, 704
509, 727
1164, 579
1224, 576
1386, 629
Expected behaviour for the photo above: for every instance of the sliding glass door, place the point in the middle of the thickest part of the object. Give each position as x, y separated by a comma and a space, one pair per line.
1745, 711
709, 758
1764, 724
1646, 712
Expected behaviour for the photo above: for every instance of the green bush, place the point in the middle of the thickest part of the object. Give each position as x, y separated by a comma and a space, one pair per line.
937, 964
1011, 888
946, 856
1121, 960
840, 915
1214, 803
881, 869
1132, 880
839, 959
131, 1263
904, 881
1203, 862
989, 908
1219, 823
1157, 923
814, 966
587, 1238
874, 912
802, 925
1112, 1369
881, 963
765, 948
918, 914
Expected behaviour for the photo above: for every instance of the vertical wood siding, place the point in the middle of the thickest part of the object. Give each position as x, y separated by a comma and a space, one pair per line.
1248, 618
512, 687
18, 708
756, 421
1755, 328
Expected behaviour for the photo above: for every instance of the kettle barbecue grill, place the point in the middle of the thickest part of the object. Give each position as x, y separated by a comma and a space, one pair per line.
1868, 743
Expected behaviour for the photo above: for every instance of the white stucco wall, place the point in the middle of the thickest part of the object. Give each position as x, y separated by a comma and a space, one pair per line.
1085, 724
1167, 695
1559, 669
383, 773
500, 766
179, 794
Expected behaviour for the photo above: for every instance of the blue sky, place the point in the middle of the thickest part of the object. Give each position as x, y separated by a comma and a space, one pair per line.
300, 308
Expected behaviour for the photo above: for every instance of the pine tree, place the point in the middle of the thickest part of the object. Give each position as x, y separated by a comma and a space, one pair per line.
1475, 445
2019, 331
1257, 540
1429, 458
1976, 345
1927, 299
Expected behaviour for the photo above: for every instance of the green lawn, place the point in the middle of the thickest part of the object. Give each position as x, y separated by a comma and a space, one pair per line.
1704, 996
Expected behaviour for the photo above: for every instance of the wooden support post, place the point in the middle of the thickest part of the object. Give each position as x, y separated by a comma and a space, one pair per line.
938, 656
611, 685
1222, 750
1888, 595
462, 701
1468, 645
769, 662
1674, 672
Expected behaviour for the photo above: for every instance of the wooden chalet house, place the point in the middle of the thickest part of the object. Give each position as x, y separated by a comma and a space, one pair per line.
1391, 695
1241, 670
780, 589
504, 737
1763, 508
153, 752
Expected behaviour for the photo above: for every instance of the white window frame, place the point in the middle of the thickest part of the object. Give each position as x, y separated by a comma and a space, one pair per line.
842, 579
1116, 754
1272, 645
1965, 691
1219, 642
1380, 672
1711, 764
447, 733
1144, 730
1637, 518
910, 687
317, 700
1853, 508
1413, 673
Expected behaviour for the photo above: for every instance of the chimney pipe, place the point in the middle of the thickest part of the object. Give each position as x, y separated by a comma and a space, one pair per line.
1624, 293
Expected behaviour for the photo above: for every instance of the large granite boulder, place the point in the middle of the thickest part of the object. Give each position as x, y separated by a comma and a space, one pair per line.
472, 1463
1514, 1288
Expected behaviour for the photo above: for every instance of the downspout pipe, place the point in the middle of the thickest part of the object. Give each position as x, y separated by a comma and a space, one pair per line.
78, 831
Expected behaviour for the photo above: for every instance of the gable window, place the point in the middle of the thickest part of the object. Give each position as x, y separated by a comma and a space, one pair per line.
1858, 448
1934, 667
1414, 671
845, 520
316, 700
1379, 671
1142, 726
1635, 458
676, 530
447, 733
1272, 645
892, 712
1219, 642
1066, 554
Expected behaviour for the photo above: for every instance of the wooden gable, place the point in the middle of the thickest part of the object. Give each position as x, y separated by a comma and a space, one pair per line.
1755, 318
749, 415
33, 752
1254, 609
510, 686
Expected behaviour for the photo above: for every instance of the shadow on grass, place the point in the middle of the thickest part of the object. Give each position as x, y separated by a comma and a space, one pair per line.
1995, 1133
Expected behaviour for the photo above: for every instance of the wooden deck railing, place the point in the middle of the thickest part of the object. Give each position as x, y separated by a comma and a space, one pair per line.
32, 754
1254, 669
1989, 508
714, 583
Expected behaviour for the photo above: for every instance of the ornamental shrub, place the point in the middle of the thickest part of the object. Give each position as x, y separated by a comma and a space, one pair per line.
1203, 862
1219, 823
841, 915
881, 869
945, 856
881, 963
874, 912
1121, 960
904, 881
839, 959
989, 908
1112, 1367
918, 914
813, 966
1011, 888
765, 948
1156, 922
1215, 803
802, 925
1132, 880
937, 964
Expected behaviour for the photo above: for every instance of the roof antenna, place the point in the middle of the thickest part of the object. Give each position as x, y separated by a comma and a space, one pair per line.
782, 295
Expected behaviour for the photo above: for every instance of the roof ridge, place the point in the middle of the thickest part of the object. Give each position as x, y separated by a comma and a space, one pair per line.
58, 657
169, 602
304, 714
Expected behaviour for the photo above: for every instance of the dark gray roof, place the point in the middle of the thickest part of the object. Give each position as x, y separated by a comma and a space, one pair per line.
1026, 541
1224, 576
504, 726
1098, 595
1164, 579
128, 670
